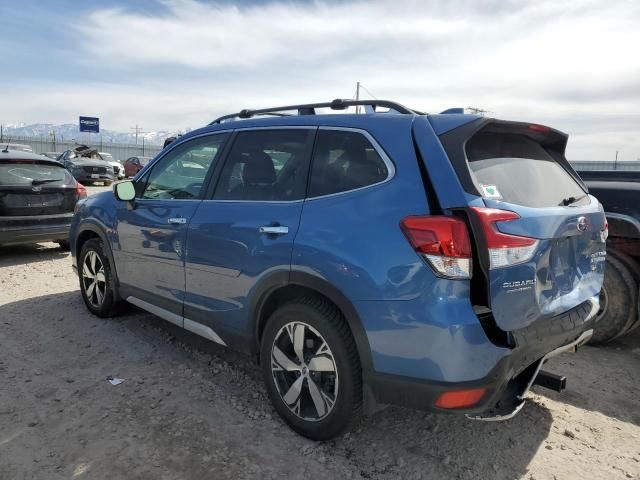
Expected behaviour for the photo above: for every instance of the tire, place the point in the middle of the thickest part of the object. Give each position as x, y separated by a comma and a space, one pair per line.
64, 245
104, 305
338, 392
107, 184
634, 268
619, 300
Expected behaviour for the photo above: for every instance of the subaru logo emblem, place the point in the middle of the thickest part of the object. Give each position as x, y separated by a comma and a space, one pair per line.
36, 189
582, 224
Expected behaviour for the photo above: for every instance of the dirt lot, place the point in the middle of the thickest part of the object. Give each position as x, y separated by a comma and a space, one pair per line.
189, 409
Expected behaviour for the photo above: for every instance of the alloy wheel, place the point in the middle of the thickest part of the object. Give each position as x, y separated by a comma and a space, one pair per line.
304, 371
93, 279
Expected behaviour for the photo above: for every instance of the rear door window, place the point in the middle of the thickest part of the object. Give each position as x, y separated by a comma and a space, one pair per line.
266, 165
516, 169
344, 160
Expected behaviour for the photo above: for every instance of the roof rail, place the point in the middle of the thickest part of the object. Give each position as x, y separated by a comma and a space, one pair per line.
309, 108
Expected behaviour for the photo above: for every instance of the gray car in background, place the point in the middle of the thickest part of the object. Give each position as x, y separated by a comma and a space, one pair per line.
87, 166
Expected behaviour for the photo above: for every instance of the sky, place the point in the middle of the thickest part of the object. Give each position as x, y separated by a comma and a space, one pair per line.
176, 64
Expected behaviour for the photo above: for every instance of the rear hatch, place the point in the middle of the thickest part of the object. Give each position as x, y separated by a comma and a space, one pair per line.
33, 187
540, 237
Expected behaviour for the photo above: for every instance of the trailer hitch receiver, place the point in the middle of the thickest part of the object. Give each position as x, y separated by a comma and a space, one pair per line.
551, 381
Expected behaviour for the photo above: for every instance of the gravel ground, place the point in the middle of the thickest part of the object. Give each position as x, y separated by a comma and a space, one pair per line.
190, 409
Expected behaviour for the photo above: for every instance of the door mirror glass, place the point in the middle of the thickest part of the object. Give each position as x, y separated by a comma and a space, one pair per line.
125, 191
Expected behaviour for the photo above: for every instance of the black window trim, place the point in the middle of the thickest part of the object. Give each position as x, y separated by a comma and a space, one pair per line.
209, 195
207, 179
391, 168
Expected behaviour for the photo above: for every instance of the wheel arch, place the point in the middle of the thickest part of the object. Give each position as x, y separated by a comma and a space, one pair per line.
621, 225
88, 231
299, 284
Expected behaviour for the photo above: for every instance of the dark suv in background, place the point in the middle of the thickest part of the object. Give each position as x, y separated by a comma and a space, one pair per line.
37, 198
433, 261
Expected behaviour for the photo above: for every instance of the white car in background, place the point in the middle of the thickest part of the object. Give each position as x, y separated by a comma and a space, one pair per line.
118, 169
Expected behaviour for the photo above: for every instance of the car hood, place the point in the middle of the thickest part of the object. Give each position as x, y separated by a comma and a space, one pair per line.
89, 162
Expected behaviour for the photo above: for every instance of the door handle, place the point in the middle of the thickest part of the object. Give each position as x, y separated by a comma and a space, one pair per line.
274, 230
177, 220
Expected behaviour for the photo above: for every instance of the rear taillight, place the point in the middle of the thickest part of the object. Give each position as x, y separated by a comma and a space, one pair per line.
81, 191
504, 249
443, 242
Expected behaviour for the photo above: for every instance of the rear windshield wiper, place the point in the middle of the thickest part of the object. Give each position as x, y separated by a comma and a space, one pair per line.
571, 200
46, 180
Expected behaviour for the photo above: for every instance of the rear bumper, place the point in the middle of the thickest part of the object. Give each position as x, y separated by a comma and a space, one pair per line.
507, 381
33, 229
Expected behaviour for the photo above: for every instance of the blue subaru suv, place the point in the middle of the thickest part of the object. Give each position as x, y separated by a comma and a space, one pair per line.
382, 257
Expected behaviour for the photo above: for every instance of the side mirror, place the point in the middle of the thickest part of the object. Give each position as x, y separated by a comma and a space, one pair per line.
124, 191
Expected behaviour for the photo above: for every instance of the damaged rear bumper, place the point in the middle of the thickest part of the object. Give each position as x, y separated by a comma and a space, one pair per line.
508, 381
507, 411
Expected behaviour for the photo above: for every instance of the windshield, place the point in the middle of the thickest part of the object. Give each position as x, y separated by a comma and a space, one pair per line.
16, 174
516, 169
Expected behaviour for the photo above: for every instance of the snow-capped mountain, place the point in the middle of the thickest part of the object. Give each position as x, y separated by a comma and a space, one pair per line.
70, 131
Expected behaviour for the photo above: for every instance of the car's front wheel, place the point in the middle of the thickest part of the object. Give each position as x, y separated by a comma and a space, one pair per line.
96, 280
311, 368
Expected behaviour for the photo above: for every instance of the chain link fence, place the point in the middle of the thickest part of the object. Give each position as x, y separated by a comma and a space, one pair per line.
627, 165
120, 151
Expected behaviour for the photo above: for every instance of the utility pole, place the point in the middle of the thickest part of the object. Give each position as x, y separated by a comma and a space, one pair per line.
615, 163
1, 132
357, 96
138, 129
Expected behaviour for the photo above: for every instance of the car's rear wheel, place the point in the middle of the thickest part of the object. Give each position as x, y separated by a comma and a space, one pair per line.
633, 267
311, 368
618, 301
96, 280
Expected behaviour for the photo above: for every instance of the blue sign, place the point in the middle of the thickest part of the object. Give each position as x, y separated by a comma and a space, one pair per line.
90, 124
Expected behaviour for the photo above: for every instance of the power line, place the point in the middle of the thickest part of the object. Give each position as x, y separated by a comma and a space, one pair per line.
357, 95
367, 90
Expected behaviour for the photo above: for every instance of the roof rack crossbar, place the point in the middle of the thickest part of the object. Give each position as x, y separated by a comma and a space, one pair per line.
309, 108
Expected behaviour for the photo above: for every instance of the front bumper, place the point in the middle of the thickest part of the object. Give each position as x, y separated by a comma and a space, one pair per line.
19, 230
506, 383
84, 177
